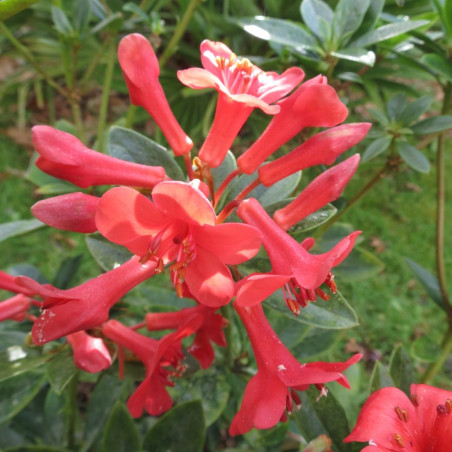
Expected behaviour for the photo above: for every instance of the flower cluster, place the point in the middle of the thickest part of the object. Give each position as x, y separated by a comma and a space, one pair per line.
176, 227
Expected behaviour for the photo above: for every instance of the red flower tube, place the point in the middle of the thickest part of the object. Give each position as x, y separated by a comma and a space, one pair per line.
90, 353
325, 188
390, 421
64, 156
141, 71
272, 390
14, 308
241, 86
85, 306
8, 282
313, 104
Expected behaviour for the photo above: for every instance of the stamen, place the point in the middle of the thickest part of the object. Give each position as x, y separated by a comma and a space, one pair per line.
295, 398
415, 400
399, 440
322, 294
289, 405
398, 411
448, 404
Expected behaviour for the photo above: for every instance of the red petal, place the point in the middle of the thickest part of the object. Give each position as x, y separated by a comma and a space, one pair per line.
256, 288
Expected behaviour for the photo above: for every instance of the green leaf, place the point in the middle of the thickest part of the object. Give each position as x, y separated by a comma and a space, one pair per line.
280, 190
439, 64
425, 349
348, 16
432, 125
267, 438
135, 9
67, 272
448, 17
45, 448
61, 21
415, 109
401, 369
387, 32
429, 282
180, 429
380, 377
61, 370
56, 417
317, 16
335, 313
219, 173
379, 116
82, 15
107, 254
17, 359
355, 54
413, 157
376, 148
322, 415
9, 8
210, 386
17, 392
279, 31
359, 265
317, 341
371, 18
131, 146
396, 105
121, 434
112, 22
15, 228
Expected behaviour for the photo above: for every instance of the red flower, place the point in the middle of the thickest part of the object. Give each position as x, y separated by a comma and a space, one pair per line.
85, 306
90, 353
326, 187
211, 329
14, 308
390, 421
272, 390
8, 282
305, 272
313, 104
141, 73
241, 86
179, 225
64, 156
72, 212
151, 395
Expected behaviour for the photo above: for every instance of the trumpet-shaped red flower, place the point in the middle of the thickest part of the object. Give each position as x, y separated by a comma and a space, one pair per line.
141, 71
241, 86
321, 149
14, 308
151, 395
90, 353
272, 390
305, 271
390, 421
179, 225
72, 212
8, 282
211, 329
325, 188
313, 104
64, 156
85, 306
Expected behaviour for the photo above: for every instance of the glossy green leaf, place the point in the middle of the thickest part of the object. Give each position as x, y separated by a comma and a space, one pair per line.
396, 105
380, 378
121, 434
379, 116
433, 125
376, 148
56, 417
267, 438
61, 21
219, 173
439, 64
317, 16
360, 264
107, 254
67, 272
401, 369
17, 359
322, 415
131, 146
415, 109
17, 392
180, 429
210, 386
429, 282
316, 342
335, 313
387, 32
279, 31
371, 17
81, 15
61, 370
348, 16
9, 8
15, 228
355, 54
113, 23
413, 157
425, 349
281, 190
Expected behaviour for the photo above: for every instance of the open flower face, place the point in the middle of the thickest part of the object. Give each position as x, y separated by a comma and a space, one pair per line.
390, 421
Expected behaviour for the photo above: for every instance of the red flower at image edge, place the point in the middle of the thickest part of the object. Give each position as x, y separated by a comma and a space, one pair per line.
390, 421
272, 390
179, 225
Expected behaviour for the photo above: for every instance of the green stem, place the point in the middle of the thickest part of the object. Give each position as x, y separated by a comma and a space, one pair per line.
226, 313
72, 411
106, 94
179, 31
30, 58
435, 367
